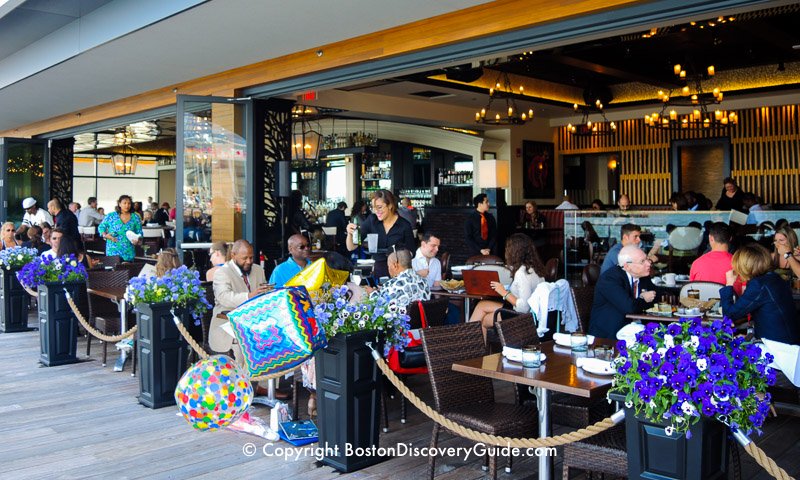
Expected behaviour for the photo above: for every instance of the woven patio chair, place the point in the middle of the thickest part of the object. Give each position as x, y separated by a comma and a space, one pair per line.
468, 399
103, 313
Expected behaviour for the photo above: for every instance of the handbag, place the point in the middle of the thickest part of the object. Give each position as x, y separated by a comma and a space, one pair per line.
413, 356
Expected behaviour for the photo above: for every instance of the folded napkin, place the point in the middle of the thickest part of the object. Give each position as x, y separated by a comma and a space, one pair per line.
515, 354
594, 365
628, 333
565, 339
132, 236
787, 358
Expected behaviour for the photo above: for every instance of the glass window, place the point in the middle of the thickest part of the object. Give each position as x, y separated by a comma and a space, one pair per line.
24, 177
83, 188
83, 166
214, 171
109, 190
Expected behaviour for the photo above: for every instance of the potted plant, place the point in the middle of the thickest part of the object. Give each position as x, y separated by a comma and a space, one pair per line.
348, 381
14, 300
683, 385
161, 350
58, 327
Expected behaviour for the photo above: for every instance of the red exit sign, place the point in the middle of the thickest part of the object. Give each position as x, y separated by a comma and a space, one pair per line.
309, 96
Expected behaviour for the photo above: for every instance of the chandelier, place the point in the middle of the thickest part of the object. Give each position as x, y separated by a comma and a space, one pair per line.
699, 101
124, 161
508, 114
587, 128
305, 140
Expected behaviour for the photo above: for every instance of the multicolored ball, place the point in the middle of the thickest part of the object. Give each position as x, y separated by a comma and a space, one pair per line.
213, 393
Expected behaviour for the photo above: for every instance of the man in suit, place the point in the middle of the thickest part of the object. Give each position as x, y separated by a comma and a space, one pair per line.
64, 219
480, 229
621, 290
336, 218
234, 283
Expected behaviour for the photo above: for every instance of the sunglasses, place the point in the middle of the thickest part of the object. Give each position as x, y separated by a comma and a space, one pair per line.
303, 246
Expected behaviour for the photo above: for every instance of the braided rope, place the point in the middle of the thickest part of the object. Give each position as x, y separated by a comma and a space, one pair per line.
767, 463
485, 438
93, 331
198, 349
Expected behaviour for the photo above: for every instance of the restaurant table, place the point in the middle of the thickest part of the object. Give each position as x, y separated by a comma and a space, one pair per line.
465, 297
147, 259
558, 373
116, 295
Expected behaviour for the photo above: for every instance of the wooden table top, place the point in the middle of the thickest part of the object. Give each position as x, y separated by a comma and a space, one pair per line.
445, 293
646, 317
558, 373
112, 293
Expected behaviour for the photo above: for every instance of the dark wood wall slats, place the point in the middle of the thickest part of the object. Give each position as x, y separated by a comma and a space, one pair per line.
764, 155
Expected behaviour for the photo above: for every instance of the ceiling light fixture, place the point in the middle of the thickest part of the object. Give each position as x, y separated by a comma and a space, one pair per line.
587, 128
699, 118
504, 94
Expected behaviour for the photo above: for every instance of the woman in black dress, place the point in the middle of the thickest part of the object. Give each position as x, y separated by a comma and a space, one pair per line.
732, 197
392, 230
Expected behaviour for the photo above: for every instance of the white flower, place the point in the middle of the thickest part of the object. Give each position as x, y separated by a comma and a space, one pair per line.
73, 263
679, 419
661, 351
695, 341
58, 265
688, 408
652, 404
669, 341
362, 324
669, 430
702, 364
19, 257
628, 404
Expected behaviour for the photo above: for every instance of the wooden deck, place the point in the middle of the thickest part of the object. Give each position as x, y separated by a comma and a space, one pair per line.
83, 421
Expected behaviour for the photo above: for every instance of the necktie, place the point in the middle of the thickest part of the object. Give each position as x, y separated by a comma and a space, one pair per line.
246, 281
636, 289
484, 227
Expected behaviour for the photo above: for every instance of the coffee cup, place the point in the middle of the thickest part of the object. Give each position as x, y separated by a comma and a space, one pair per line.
669, 279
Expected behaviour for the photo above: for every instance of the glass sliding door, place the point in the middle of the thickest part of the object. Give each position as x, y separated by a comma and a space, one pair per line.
214, 171
22, 175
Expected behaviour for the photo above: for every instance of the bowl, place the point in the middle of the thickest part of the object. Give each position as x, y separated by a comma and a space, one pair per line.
452, 285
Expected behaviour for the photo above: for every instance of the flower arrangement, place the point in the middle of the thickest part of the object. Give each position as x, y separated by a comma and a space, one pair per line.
335, 314
41, 270
677, 373
17, 257
179, 286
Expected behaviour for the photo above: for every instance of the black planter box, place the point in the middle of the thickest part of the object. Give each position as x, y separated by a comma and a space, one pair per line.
348, 400
652, 454
14, 303
162, 353
58, 327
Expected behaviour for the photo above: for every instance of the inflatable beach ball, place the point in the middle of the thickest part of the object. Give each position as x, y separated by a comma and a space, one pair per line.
213, 393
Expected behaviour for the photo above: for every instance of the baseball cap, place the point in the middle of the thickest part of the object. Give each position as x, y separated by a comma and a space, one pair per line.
28, 203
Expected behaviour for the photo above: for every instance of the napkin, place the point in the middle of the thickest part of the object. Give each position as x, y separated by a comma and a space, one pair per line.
787, 358
594, 365
515, 354
565, 339
132, 236
628, 333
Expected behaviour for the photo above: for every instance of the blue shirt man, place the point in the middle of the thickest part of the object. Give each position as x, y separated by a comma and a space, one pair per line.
297, 261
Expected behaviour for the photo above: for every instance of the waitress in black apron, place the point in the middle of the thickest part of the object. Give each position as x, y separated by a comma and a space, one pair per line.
392, 231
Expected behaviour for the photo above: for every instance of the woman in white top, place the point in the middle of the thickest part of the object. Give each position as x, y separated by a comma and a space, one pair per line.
528, 272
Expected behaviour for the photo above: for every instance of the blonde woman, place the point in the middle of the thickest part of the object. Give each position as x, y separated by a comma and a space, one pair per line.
167, 260
767, 298
7, 239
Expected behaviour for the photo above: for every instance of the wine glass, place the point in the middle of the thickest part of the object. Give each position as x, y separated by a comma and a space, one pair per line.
145, 248
355, 277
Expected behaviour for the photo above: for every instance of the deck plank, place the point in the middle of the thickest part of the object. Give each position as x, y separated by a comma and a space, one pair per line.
83, 421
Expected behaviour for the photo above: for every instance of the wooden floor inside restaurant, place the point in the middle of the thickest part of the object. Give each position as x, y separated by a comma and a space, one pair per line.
83, 421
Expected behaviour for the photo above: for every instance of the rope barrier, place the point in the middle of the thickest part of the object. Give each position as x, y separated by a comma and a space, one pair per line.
30, 292
485, 438
93, 331
767, 463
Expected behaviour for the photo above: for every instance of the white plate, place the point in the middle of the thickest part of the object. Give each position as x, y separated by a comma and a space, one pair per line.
365, 261
565, 339
681, 278
714, 315
687, 315
458, 268
595, 366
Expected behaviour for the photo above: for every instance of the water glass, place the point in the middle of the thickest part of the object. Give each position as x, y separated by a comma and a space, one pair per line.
531, 356
602, 352
579, 342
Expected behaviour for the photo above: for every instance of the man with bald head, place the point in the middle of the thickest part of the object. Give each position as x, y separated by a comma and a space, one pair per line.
299, 250
623, 289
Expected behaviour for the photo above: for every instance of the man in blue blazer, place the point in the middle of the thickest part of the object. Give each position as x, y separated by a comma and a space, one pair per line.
621, 290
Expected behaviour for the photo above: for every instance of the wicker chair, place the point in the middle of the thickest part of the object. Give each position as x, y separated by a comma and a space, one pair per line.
445, 261
590, 274
133, 268
468, 399
109, 261
602, 453
551, 270
583, 297
102, 312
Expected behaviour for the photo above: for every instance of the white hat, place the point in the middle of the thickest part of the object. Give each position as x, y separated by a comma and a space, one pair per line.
28, 203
